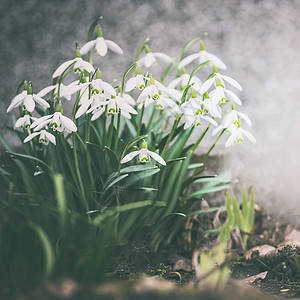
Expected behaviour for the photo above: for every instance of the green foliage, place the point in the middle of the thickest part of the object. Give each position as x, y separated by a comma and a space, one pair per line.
242, 218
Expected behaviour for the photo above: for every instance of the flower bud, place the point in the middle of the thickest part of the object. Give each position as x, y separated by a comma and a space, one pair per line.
77, 52
25, 85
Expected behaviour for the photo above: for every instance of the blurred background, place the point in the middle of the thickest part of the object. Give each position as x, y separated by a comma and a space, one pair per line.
259, 41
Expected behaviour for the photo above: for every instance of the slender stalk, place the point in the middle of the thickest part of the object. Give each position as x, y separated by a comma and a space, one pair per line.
152, 116
111, 130
87, 138
212, 147
78, 173
170, 136
117, 134
141, 120
200, 138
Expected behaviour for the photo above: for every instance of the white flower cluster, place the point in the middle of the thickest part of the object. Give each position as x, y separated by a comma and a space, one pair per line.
194, 100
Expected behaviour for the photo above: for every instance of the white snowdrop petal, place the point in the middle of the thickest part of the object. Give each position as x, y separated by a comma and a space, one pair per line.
114, 47
249, 136
233, 97
31, 136
126, 107
97, 114
62, 67
29, 103
87, 66
129, 99
216, 61
217, 130
20, 122
164, 57
50, 137
87, 47
231, 139
131, 84
245, 117
157, 157
16, 101
206, 85
232, 82
174, 83
69, 124
41, 101
108, 88
101, 46
129, 156
187, 60
149, 60
46, 90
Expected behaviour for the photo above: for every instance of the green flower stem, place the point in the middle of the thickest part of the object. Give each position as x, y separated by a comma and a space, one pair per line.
78, 173
170, 136
213, 146
200, 138
118, 131
87, 138
141, 120
111, 130
152, 116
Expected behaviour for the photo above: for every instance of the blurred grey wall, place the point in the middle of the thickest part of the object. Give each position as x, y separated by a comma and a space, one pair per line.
258, 40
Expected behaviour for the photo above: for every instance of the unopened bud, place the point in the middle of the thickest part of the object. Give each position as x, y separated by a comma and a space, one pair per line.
25, 85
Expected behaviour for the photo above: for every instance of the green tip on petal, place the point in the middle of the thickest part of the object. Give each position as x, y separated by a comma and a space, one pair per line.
232, 106
193, 93
215, 69
147, 49
139, 71
206, 96
98, 74
202, 46
99, 31
239, 123
144, 145
59, 108
152, 81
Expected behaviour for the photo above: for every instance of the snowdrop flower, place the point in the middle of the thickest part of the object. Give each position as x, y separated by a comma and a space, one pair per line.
27, 99
101, 87
183, 80
44, 138
24, 122
101, 45
57, 122
233, 118
237, 136
203, 56
65, 91
148, 95
79, 65
218, 79
121, 104
220, 94
144, 155
150, 58
137, 81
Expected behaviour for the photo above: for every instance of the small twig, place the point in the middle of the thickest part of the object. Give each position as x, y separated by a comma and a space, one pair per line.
279, 273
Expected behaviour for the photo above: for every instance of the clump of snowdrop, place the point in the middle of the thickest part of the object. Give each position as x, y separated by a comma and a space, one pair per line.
188, 98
